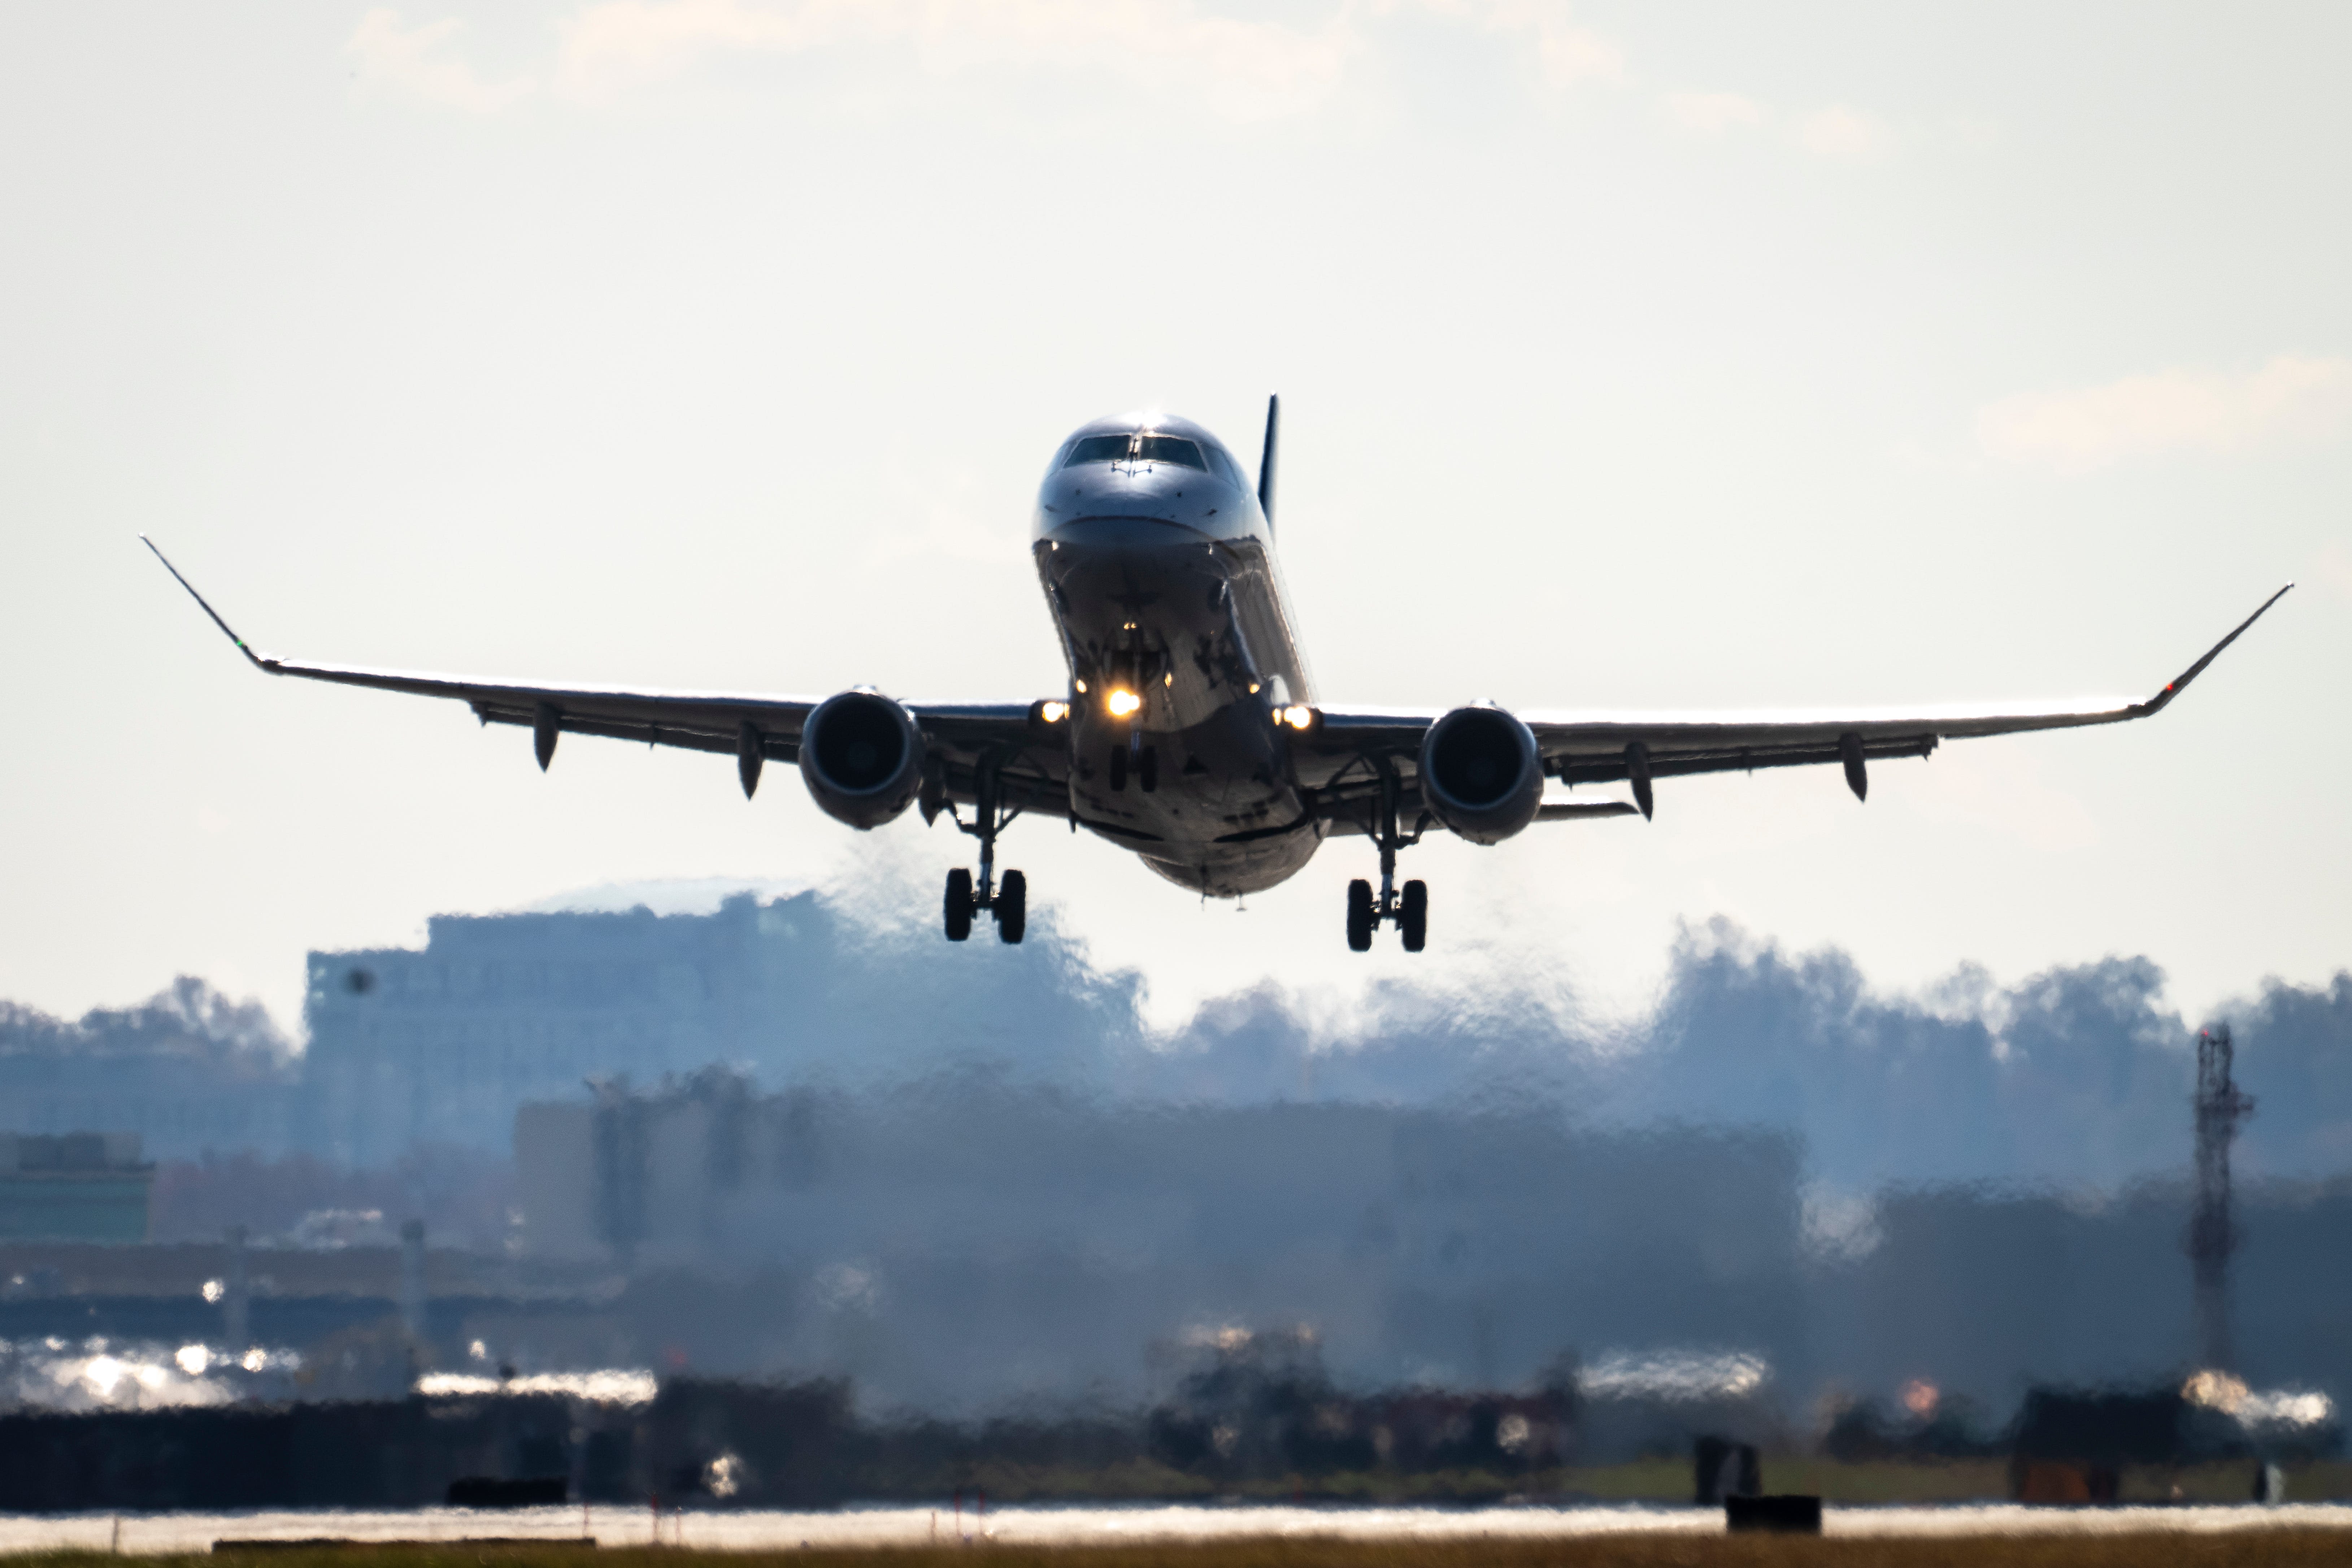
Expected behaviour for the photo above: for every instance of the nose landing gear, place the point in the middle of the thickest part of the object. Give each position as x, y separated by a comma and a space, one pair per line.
1136, 759
1410, 909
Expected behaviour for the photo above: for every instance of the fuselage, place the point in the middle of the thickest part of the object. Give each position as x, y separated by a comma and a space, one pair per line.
1157, 567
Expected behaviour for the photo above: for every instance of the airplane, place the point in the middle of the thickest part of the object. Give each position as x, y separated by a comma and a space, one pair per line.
1189, 731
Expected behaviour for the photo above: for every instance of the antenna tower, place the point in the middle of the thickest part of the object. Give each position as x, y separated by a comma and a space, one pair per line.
2212, 1235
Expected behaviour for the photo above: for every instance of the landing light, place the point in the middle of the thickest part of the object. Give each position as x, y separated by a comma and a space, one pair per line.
1054, 712
1299, 716
1123, 702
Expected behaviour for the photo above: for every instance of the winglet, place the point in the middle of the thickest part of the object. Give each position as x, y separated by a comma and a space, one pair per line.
242, 647
2180, 683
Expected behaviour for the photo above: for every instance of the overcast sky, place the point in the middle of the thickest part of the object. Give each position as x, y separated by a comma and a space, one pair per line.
1632, 355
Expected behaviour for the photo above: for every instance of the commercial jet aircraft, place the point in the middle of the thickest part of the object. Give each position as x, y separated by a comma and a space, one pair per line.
1189, 733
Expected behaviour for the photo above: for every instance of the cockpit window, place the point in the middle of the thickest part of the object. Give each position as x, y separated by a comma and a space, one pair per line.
1099, 449
1169, 449
1144, 448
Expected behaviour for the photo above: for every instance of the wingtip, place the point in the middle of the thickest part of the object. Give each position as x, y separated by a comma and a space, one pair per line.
2179, 683
258, 660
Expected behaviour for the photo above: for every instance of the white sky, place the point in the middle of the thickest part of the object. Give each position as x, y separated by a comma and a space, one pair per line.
1695, 356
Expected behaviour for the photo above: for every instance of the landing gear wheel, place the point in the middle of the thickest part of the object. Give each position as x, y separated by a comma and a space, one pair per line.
958, 904
1359, 916
1119, 768
1412, 916
1011, 907
1146, 770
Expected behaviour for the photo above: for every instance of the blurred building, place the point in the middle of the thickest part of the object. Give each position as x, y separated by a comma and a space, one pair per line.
187, 1070
966, 1239
177, 1108
652, 1173
1976, 1291
81, 1187
440, 1045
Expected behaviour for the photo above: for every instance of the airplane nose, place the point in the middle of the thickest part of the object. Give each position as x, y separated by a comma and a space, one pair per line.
1076, 503
1119, 569
1100, 537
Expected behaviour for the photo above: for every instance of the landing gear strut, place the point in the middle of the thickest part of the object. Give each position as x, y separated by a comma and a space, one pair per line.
1009, 901
1136, 759
1410, 910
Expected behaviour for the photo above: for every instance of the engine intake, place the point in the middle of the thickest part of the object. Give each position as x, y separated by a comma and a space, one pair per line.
1481, 774
862, 758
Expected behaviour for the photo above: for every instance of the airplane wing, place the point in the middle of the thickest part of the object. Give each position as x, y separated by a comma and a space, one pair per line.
744, 725
1636, 748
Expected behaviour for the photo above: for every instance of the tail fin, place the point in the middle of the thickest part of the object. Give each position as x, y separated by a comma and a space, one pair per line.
1266, 459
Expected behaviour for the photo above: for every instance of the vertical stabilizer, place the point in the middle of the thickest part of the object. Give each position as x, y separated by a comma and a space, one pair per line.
1266, 459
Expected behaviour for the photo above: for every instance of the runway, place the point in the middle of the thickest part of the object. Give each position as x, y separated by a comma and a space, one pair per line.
612, 1526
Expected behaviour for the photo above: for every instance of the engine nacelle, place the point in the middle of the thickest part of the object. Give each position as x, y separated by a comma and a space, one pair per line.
862, 758
1481, 774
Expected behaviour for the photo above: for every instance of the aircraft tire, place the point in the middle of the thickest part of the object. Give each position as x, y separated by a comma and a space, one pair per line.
1412, 916
1147, 773
1012, 908
1359, 916
1119, 768
958, 904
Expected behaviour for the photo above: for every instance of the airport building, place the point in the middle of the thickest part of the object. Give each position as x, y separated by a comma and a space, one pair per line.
411, 1047
439, 1045
82, 1186
763, 1139
135, 1073
967, 1239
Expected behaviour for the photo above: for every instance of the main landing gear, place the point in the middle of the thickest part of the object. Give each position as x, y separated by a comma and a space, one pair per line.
1007, 901
1410, 908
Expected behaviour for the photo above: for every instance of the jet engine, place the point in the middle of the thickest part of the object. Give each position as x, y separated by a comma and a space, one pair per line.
862, 758
1481, 774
